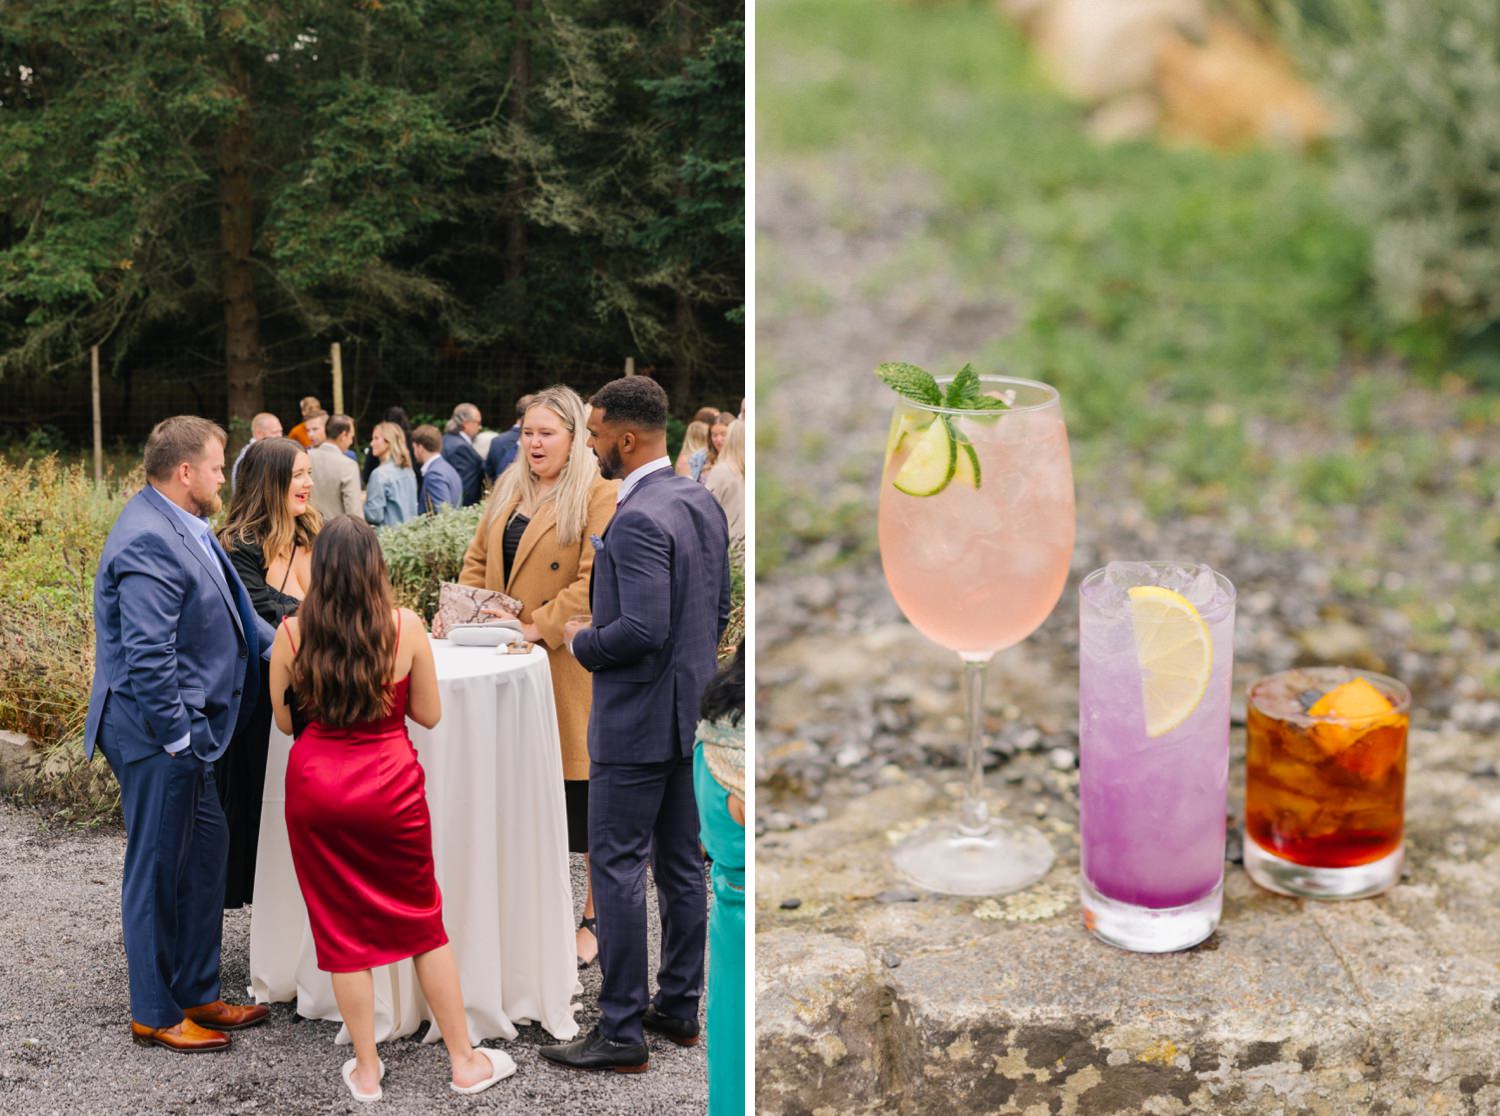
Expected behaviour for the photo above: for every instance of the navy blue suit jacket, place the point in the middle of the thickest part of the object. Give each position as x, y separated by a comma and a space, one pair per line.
467, 464
440, 485
660, 599
502, 452
176, 647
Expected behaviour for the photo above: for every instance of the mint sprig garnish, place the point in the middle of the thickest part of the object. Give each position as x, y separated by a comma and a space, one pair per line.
965, 392
911, 382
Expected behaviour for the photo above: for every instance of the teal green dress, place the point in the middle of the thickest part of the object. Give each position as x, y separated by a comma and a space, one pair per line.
724, 839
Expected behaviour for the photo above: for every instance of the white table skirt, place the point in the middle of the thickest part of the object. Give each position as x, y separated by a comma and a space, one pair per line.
500, 845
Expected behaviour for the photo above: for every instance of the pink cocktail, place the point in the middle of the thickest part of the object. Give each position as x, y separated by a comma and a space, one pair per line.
976, 535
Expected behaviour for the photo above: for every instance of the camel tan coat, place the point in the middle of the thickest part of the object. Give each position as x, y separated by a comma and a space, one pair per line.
552, 581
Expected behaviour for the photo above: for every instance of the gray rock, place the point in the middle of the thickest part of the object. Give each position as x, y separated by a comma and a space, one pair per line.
1005, 1005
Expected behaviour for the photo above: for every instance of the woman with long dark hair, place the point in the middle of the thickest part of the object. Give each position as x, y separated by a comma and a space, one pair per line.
268, 535
719, 785
346, 672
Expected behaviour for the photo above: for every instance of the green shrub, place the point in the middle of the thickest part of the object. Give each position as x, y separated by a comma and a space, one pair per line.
1416, 82
427, 551
53, 523
736, 629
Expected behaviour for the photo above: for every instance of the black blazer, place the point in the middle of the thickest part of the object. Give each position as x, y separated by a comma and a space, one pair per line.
270, 604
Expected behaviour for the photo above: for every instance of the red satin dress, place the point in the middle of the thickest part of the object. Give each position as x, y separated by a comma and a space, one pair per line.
361, 837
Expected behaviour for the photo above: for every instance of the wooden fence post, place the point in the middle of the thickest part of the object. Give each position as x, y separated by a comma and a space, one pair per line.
336, 357
630, 366
98, 417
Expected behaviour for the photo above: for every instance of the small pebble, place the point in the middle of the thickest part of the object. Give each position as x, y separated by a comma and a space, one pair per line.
790, 904
891, 961
1061, 758
1485, 770
897, 895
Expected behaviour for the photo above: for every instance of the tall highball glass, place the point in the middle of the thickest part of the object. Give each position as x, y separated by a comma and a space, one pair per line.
976, 536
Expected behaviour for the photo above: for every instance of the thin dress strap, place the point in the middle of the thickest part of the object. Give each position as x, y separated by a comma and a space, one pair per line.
289, 634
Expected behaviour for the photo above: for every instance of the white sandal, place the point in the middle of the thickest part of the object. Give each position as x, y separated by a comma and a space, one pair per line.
502, 1067
348, 1075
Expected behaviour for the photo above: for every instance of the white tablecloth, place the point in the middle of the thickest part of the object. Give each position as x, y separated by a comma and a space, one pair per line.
500, 844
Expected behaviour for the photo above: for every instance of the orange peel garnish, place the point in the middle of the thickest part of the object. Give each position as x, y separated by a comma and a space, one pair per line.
1353, 708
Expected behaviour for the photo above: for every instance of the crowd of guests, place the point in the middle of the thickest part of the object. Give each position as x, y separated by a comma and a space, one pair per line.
642, 780
408, 471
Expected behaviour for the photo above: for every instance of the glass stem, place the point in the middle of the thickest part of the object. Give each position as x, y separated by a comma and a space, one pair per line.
974, 815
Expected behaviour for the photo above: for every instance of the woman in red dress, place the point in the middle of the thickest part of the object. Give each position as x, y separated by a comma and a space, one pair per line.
346, 672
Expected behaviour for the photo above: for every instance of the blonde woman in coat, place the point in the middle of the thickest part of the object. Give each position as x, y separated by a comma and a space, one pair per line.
534, 543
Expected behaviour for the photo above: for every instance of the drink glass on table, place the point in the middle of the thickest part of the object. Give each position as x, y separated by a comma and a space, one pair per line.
1325, 782
1156, 653
976, 534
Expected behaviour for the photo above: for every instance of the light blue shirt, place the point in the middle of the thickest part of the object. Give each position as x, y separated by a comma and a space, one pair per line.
201, 530
627, 486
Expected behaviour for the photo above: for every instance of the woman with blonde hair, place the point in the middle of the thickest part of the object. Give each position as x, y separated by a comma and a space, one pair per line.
694, 439
391, 495
534, 542
309, 407
726, 480
269, 536
707, 457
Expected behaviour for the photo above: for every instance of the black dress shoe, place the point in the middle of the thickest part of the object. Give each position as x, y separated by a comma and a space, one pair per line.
594, 1051
684, 1032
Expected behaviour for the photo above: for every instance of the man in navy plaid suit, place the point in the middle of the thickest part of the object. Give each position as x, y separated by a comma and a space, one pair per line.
660, 599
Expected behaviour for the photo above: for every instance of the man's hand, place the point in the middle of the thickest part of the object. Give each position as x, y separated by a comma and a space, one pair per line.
575, 625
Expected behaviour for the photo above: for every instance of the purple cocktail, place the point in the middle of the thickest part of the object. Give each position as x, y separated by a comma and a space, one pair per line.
1155, 657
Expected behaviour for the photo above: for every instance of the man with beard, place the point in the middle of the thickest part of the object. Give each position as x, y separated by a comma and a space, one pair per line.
660, 599
174, 675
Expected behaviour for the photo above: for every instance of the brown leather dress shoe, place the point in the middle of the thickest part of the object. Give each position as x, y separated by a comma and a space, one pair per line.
185, 1037
227, 1017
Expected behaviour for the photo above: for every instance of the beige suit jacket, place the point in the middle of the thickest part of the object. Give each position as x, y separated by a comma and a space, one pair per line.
335, 482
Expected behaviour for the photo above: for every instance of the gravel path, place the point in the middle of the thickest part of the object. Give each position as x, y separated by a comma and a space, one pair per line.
64, 1037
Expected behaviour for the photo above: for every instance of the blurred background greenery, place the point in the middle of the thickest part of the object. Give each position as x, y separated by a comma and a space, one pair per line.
1298, 340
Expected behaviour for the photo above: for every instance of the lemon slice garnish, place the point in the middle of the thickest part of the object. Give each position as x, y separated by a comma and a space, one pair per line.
1175, 652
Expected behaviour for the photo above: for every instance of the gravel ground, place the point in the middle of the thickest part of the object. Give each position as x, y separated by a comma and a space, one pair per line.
848, 691
64, 1017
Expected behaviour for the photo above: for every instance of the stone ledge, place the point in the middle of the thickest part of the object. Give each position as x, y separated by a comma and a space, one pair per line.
1389, 1005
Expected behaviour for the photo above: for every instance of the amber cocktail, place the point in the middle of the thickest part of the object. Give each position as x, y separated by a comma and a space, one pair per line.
1325, 782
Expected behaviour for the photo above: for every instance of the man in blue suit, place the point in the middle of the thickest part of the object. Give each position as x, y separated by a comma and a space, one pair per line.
503, 449
441, 486
175, 673
459, 451
660, 599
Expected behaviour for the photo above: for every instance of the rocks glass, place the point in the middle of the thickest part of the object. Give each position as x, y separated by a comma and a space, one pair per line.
1325, 782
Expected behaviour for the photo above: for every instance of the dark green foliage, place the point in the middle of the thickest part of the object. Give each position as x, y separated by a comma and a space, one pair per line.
383, 144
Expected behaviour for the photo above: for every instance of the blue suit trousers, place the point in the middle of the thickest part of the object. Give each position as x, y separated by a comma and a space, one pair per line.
640, 813
176, 857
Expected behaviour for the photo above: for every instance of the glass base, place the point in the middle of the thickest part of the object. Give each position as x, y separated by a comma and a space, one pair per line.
1304, 882
1150, 929
941, 857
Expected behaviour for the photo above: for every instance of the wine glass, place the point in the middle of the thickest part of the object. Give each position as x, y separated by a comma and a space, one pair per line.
976, 536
